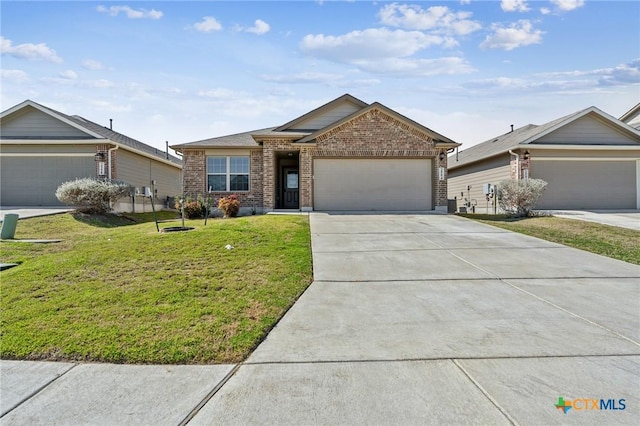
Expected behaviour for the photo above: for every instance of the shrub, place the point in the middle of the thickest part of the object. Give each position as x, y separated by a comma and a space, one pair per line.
519, 197
193, 210
91, 195
229, 205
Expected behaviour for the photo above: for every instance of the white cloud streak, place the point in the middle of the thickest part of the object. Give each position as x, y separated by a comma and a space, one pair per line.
130, 12
259, 27
567, 5
514, 6
15, 76
516, 35
29, 51
208, 24
437, 19
92, 64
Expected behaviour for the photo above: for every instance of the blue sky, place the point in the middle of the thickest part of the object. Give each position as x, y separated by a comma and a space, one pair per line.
185, 71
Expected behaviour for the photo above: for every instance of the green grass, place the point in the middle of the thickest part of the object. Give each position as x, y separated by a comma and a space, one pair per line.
611, 241
115, 290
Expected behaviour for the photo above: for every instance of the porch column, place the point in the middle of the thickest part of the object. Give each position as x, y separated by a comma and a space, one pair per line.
306, 179
269, 177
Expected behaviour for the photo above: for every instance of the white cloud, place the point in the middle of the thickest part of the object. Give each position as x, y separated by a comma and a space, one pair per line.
514, 6
416, 67
329, 79
567, 5
130, 12
68, 75
545, 10
622, 74
29, 51
99, 84
111, 107
518, 34
208, 24
259, 27
16, 76
439, 19
370, 44
92, 64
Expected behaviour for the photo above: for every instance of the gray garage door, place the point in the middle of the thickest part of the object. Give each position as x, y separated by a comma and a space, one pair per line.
587, 184
372, 184
32, 181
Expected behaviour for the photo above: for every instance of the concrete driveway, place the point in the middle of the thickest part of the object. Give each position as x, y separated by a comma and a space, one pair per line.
411, 320
434, 319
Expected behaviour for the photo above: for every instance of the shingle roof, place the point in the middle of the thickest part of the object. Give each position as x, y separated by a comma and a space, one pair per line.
517, 137
94, 129
122, 139
238, 140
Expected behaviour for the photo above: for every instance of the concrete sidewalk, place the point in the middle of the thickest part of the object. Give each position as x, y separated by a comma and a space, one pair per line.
27, 212
412, 319
622, 218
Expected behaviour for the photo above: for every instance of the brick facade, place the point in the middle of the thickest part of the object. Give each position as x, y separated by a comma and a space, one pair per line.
374, 134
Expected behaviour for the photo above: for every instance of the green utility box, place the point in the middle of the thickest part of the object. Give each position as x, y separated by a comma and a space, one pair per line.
9, 224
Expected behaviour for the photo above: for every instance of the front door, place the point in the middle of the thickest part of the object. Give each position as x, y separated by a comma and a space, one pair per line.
290, 188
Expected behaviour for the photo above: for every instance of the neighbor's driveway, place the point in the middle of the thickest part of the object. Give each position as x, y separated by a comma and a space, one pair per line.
436, 319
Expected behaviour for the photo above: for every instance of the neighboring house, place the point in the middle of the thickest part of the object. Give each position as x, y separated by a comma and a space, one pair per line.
40, 148
632, 117
589, 159
345, 155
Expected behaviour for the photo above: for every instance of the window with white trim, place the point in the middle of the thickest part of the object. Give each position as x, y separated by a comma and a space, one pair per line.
227, 174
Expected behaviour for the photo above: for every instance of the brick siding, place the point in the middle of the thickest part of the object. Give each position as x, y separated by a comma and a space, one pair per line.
371, 135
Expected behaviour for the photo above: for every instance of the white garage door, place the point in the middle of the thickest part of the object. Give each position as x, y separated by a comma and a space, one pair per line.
372, 184
32, 181
587, 184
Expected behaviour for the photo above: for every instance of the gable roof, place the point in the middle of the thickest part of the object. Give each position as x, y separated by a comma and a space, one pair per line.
346, 98
253, 139
632, 117
437, 137
95, 130
530, 134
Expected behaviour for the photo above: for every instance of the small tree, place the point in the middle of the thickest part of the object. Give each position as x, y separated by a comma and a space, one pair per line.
519, 197
91, 195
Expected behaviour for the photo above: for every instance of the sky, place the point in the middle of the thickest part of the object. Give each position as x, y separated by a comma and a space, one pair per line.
187, 71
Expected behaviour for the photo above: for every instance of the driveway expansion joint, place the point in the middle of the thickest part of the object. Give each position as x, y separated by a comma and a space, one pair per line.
209, 395
485, 393
38, 390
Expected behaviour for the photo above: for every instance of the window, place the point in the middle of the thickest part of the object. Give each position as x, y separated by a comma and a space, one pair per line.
226, 174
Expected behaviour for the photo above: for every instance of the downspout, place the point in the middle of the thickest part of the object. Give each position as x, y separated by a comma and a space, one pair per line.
109, 160
517, 164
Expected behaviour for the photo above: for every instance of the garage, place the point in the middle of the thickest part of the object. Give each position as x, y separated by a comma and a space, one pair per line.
583, 184
352, 184
32, 181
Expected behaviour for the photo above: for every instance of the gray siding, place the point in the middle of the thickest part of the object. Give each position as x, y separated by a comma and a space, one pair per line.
47, 149
457, 187
139, 171
328, 117
31, 123
587, 131
587, 184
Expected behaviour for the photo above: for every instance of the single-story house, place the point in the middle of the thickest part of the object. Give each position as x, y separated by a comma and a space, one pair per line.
632, 117
346, 155
589, 159
40, 148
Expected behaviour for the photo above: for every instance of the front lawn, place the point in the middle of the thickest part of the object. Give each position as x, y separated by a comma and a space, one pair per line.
611, 241
115, 290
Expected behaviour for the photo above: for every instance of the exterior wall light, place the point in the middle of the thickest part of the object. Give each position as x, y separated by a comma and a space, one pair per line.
442, 156
100, 156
